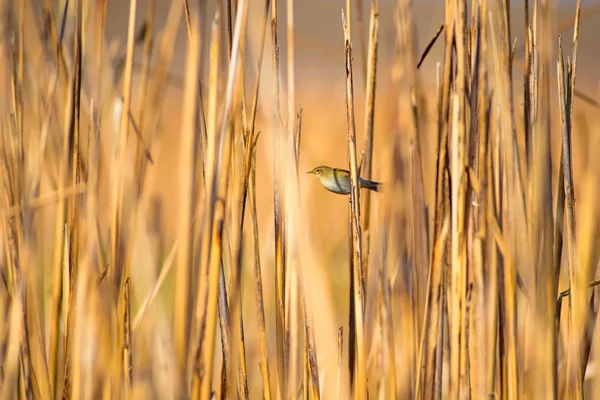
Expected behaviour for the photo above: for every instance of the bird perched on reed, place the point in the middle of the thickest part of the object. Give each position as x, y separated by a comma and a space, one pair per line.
338, 180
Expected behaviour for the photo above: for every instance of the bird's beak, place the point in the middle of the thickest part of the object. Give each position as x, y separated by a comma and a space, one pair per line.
310, 172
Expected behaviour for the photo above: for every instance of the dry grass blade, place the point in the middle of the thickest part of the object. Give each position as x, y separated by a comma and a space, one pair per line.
429, 46
157, 285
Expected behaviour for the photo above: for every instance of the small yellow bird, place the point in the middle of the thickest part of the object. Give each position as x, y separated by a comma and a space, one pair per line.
338, 180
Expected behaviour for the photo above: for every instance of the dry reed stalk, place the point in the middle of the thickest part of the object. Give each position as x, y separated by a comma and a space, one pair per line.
294, 348
292, 276
250, 186
279, 211
371, 77
357, 276
58, 295
577, 303
426, 370
202, 379
351, 258
539, 220
69, 166
513, 204
361, 39
186, 180
262, 334
66, 313
311, 355
236, 240
224, 324
477, 243
238, 196
459, 212
235, 331
117, 195
457, 304
433, 373
202, 293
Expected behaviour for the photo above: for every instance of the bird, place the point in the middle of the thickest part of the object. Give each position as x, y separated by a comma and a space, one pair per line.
338, 180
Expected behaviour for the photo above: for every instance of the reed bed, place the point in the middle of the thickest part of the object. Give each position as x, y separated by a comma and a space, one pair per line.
473, 273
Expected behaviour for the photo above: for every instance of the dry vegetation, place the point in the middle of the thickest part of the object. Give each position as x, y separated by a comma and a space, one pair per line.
467, 277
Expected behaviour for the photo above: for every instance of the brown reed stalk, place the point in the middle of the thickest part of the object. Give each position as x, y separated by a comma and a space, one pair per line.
371, 77
127, 344
340, 354
357, 276
224, 324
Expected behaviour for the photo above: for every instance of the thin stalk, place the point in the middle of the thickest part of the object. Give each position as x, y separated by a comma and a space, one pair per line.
369, 124
360, 380
184, 261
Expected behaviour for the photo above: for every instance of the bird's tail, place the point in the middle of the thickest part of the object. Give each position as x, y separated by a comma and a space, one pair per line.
374, 186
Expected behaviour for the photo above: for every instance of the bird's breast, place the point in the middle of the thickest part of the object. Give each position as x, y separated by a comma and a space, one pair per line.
337, 186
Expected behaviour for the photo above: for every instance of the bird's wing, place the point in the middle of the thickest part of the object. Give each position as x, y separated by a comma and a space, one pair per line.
340, 173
